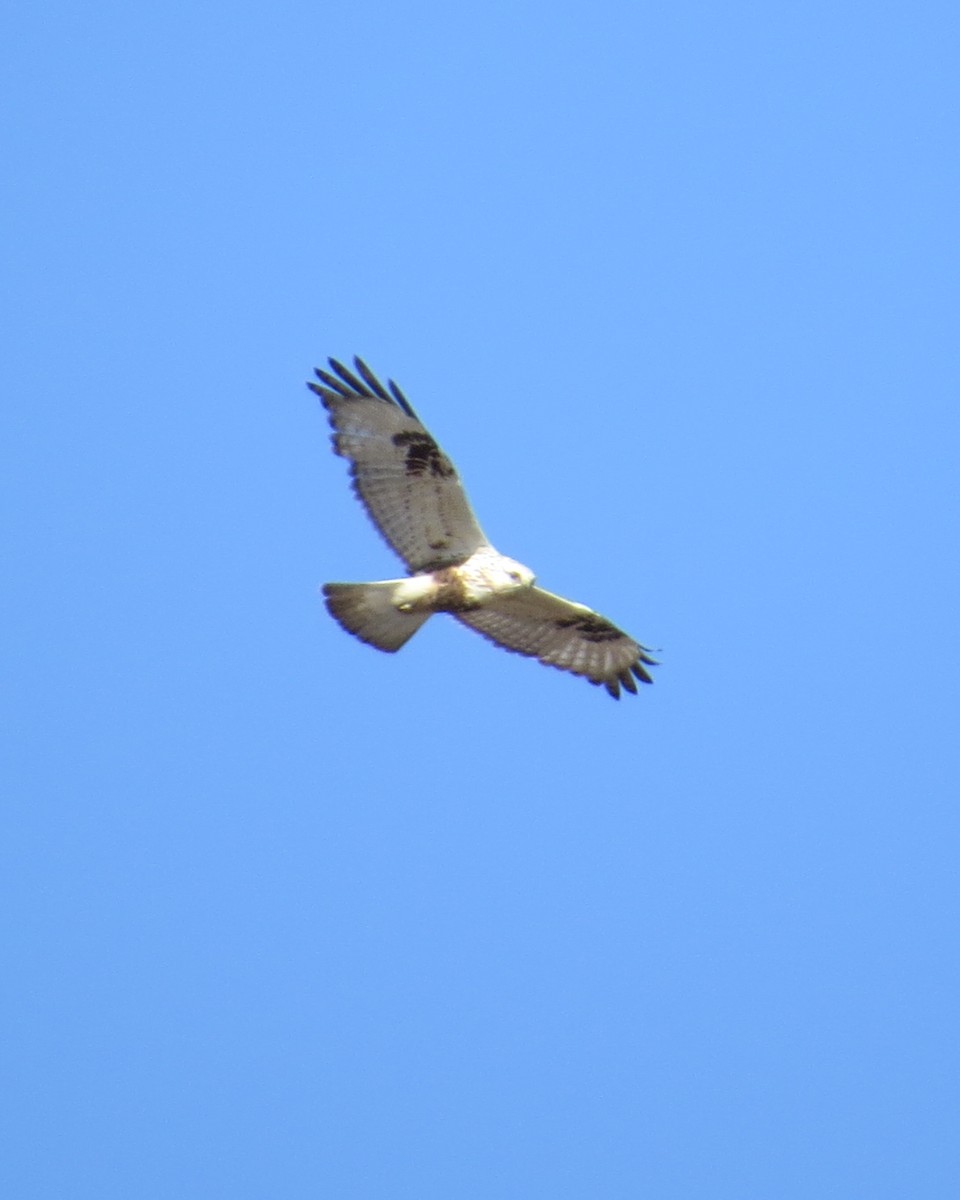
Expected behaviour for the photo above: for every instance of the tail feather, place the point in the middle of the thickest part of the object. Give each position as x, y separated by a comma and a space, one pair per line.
368, 612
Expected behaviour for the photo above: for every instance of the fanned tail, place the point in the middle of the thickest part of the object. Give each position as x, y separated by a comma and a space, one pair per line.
367, 610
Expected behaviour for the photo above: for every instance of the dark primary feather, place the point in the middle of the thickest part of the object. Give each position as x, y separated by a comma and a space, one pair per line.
370, 379
349, 385
348, 377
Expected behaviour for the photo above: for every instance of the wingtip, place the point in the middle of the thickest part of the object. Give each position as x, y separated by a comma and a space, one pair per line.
325, 394
357, 385
339, 380
370, 379
626, 679
640, 672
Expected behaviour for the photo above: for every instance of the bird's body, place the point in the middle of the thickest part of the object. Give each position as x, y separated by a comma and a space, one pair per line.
413, 495
479, 580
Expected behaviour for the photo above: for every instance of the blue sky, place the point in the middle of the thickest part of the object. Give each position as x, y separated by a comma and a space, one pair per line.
676, 287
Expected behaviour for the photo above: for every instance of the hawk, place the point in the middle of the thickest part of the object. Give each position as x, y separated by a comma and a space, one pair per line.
414, 497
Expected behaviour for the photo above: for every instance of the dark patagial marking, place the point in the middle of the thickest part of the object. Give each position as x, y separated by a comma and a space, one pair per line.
591, 628
423, 455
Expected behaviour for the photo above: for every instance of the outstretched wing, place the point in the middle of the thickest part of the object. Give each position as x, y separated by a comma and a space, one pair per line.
565, 635
408, 485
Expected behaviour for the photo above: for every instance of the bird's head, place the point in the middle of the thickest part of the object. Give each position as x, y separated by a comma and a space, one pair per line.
517, 575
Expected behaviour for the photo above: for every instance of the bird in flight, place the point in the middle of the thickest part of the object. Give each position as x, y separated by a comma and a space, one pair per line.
414, 497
